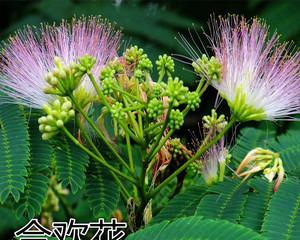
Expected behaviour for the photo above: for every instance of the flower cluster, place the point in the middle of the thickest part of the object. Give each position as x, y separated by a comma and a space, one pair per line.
28, 57
258, 76
264, 160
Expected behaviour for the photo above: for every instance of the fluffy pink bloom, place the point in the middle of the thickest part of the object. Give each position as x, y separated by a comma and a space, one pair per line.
28, 56
259, 74
213, 162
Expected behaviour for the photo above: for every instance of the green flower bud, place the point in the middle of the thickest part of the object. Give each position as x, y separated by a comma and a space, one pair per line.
107, 86
58, 113
158, 89
176, 119
208, 68
214, 122
138, 74
63, 79
86, 63
145, 64
155, 108
165, 64
42, 127
117, 111
176, 147
193, 100
176, 92
59, 123
134, 55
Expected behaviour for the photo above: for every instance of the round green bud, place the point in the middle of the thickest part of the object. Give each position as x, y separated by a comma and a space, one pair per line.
165, 64
56, 103
48, 128
117, 111
176, 91
134, 54
71, 113
50, 118
42, 128
138, 73
155, 108
176, 119
42, 120
53, 81
66, 106
63, 114
107, 86
193, 100
59, 123
145, 64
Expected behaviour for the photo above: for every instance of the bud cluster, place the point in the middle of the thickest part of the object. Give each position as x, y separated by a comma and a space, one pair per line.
208, 68
176, 119
264, 160
165, 65
58, 113
214, 122
64, 79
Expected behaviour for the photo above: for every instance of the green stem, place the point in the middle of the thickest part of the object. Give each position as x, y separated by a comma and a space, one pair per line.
222, 171
77, 143
158, 147
153, 151
153, 126
98, 90
129, 150
124, 192
133, 121
128, 95
130, 133
203, 148
131, 161
92, 124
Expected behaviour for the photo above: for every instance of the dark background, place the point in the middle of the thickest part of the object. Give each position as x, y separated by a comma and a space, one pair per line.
153, 26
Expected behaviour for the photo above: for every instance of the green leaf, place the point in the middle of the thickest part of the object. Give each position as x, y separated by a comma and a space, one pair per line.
37, 182
195, 228
250, 138
282, 220
182, 205
71, 163
14, 151
257, 203
288, 146
102, 191
225, 201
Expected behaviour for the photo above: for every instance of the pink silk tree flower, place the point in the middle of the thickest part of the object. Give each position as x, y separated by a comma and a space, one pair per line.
28, 56
214, 162
260, 77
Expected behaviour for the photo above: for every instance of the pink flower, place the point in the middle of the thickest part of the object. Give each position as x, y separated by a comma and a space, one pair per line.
28, 56
213, 163
260, 77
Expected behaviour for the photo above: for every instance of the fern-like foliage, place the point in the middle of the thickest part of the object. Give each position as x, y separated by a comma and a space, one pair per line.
31, 200
195, 228
14, 151
183, 205
283, 217
225, 201
102, 191
257, 202
71, 163
288, 146
250, 138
